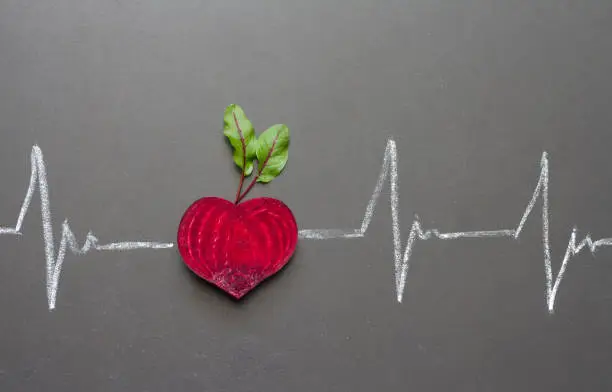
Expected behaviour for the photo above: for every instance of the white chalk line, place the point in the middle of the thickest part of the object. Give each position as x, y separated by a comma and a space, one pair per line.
54, 262
38, 178
402, 262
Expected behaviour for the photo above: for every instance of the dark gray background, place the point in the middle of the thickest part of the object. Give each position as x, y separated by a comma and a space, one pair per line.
126, 99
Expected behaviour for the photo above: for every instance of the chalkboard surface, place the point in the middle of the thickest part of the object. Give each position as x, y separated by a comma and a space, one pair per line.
449, 172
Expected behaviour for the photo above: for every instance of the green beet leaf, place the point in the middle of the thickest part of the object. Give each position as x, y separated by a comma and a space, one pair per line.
272, 152
241, 134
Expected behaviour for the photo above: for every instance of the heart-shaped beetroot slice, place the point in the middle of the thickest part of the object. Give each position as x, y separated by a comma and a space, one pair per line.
237, 246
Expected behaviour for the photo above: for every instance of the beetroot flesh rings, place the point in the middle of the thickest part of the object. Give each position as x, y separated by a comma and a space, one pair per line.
237, 246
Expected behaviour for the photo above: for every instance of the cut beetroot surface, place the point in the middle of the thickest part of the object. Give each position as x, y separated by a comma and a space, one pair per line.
237, 246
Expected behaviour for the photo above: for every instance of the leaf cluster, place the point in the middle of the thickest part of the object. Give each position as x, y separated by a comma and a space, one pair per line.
270, 149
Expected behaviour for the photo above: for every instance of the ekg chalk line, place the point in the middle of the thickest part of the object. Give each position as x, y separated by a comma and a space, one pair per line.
54, 261
402, 262
38, 177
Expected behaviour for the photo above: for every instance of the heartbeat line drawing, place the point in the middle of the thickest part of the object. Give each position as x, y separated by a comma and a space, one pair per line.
402, 262
68, 242
54, 261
